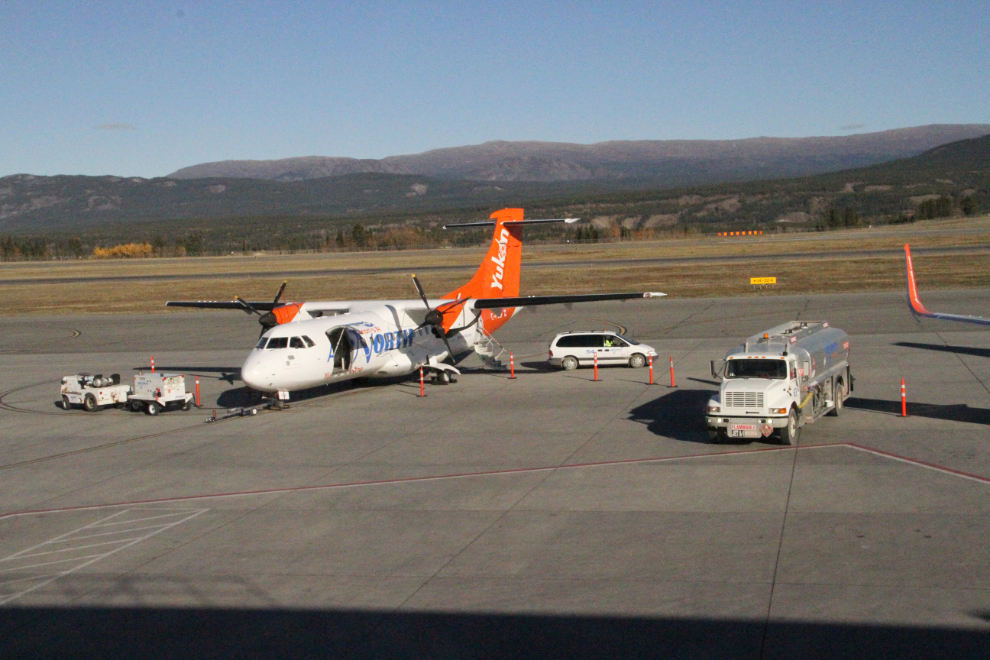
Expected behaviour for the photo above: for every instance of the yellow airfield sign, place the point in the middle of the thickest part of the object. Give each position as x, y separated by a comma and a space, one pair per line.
763, 280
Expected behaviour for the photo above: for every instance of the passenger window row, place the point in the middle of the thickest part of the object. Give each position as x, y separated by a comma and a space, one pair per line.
286, 342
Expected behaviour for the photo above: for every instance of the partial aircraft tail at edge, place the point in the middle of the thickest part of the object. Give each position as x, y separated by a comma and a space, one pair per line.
918, 309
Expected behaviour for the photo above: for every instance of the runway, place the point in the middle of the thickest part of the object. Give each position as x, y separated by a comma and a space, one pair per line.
546, 516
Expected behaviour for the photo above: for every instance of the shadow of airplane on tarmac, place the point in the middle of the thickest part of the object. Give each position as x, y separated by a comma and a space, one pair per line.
185, 633
955, 413
959, 350
229, 374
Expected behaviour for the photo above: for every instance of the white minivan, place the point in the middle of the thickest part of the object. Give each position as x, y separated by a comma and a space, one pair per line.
570, 350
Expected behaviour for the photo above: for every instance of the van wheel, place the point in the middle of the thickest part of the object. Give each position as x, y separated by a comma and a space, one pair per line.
153, 408
789, 434
89, 403
569, 363
65, 403
837, 397
637, 361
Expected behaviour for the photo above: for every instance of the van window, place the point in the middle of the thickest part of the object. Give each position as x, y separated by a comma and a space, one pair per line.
278, 342
296, 342
581, 341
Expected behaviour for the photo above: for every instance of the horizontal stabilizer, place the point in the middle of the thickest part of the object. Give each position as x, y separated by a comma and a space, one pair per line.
531, 301
513, 223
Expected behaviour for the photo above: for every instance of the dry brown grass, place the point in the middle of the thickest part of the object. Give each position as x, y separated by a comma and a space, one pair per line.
256, 278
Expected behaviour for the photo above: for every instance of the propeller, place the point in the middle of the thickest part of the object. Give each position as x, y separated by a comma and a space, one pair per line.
434, 317
268, 320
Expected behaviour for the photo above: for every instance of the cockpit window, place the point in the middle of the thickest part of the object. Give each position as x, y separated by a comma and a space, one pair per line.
262, 342
296, 342
775, 369
278, 342
309, 342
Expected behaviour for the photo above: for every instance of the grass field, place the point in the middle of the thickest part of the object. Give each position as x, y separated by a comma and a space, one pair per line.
134, 286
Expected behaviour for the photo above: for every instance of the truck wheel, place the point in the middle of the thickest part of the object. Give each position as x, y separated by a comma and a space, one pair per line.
637, 361
187, 405
153, 408
65, 403
789, 434
717, 436
837, 397
89, 403
136, 405
569, 363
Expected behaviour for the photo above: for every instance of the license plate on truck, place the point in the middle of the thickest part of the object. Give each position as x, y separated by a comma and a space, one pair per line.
744, 431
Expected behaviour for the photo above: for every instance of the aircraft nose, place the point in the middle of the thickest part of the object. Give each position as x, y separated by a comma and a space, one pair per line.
256, 373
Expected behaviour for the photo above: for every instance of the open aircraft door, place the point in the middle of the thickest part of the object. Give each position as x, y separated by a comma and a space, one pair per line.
346, 346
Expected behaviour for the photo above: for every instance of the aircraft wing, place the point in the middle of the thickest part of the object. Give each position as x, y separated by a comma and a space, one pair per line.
918, 309
221, 304
532, 301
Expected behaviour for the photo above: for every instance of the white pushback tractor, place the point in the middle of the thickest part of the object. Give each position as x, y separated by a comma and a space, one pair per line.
778, 381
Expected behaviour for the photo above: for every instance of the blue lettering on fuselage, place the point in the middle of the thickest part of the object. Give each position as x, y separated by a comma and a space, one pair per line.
388, 341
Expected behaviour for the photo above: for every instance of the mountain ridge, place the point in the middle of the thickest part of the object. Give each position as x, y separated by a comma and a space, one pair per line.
669, 162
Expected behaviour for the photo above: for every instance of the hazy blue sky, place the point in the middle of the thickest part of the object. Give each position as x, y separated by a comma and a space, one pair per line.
144, 88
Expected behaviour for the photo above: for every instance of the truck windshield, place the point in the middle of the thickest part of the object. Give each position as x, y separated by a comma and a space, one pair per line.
775, 369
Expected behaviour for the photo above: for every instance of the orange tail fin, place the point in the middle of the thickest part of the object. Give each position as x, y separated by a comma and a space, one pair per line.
498, 275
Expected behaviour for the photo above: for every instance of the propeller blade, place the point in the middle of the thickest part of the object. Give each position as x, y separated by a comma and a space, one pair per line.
246, 306
278, 295
454, 331
450, 351
422, 294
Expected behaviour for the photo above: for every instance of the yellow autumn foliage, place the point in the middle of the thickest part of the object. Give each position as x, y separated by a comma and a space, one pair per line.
123, 251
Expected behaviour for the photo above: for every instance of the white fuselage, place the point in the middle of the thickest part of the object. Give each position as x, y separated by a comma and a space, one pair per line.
381, 342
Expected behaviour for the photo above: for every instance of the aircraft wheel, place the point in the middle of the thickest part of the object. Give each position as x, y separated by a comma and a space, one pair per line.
153, 408
789, 434
569, 363
637, 361
89, 403
65, 403
442, 378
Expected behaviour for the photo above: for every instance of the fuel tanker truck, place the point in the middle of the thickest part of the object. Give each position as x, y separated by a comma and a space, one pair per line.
778, 381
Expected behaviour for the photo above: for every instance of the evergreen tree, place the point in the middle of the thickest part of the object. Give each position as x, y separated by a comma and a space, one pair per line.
359, 235
968, 205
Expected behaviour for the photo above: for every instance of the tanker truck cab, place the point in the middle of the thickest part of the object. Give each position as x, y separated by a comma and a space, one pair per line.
778, 381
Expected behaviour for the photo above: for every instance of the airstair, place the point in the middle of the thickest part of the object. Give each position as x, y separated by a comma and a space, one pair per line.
489, 350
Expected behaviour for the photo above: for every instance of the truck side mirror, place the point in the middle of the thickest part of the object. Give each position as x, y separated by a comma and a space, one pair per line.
711, 366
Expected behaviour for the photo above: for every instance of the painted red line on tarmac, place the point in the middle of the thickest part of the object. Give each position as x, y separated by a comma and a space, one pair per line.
401, 480
490, 473
914, 461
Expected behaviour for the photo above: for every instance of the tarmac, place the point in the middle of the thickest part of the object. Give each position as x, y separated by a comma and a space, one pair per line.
545, 516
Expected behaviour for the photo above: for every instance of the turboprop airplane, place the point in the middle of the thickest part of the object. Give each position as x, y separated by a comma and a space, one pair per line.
308, 344
914, 303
